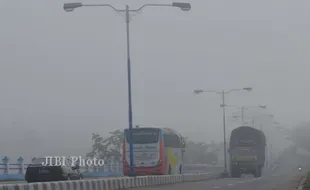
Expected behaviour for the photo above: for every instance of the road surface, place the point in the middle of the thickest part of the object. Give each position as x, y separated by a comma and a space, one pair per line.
284, 177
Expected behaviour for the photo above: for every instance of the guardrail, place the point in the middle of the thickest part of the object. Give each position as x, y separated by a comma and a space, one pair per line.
111, 183
20, 168
16, 171
112, 166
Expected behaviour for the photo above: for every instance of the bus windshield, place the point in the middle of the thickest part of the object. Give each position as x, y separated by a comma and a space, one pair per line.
143, 135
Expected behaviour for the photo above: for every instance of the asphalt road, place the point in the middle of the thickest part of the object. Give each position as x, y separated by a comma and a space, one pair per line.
246, 183
284, 177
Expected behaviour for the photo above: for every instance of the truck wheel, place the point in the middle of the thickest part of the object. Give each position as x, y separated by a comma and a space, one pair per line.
235, 173
238, 174
169, 170
258, 172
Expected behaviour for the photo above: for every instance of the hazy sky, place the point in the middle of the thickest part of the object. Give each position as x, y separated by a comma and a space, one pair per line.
63, 75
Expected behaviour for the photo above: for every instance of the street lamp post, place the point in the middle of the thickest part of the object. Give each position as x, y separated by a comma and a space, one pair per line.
127, 11
246, 107
222, 93
262, 115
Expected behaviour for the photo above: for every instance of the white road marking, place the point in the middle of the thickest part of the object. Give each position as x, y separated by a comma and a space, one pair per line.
239, 182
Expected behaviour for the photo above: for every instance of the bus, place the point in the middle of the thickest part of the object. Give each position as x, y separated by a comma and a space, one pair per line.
157, 151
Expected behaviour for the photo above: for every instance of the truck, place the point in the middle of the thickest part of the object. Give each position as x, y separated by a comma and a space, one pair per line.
247, 151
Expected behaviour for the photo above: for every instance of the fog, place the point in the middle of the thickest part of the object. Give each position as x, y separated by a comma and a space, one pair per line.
63, 75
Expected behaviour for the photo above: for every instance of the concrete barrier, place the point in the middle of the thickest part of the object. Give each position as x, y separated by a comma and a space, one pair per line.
109, 183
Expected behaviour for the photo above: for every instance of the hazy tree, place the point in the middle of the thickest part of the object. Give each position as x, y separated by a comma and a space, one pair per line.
198, 153
301, 136
108, 146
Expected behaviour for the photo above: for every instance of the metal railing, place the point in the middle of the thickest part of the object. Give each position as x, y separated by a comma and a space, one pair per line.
9, 170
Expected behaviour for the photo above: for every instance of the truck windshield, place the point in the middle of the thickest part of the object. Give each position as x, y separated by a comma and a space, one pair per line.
143, 135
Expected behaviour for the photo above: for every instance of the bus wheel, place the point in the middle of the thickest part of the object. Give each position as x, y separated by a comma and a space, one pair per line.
169, 169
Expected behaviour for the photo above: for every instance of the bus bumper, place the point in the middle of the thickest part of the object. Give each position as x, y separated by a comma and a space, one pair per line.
145, 171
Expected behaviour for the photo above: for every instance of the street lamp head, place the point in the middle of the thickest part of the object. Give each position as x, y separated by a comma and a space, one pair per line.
263, 107
248, 88
71, 6
182, 6
197, 91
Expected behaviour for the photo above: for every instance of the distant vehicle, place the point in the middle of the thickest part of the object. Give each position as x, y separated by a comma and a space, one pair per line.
247, 151
157, 151
36, 172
